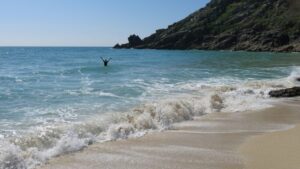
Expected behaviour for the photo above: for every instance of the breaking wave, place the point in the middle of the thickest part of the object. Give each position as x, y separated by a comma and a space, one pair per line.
43, 143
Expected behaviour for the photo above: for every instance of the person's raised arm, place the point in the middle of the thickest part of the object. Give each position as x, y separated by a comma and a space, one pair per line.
109, 59
102, 59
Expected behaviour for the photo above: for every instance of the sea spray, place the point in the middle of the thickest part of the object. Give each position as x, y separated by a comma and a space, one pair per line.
294, 78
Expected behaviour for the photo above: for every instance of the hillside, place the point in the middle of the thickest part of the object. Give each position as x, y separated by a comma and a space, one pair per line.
250, 25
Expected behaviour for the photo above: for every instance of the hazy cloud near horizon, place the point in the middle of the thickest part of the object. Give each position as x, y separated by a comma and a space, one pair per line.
86, 23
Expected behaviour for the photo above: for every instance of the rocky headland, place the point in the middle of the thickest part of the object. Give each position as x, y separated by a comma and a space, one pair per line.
248, 25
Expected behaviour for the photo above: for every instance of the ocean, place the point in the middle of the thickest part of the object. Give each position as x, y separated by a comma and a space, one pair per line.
58, 100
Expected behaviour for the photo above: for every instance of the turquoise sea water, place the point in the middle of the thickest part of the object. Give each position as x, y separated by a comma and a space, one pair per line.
58, 100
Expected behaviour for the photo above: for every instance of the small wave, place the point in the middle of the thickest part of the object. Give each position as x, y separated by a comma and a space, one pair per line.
43, 115
11, 79
87, 89
90, 91
106, 94
294, 77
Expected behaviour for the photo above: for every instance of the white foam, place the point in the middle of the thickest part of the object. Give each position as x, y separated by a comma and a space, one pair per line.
89, 91
10, 157
292, 79
67, 144
119, 131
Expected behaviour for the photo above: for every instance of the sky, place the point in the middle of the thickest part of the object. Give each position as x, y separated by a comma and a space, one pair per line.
86, 22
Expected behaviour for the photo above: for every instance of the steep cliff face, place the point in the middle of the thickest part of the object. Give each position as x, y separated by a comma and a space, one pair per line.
251, 25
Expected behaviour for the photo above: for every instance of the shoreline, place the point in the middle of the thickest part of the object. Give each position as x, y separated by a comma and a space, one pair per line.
211, 141
211, 50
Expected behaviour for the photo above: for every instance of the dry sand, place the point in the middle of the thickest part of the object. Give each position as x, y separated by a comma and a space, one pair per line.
279, 150
209, 142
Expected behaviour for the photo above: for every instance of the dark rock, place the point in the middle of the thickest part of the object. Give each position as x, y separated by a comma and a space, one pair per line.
117, 46
226, 41
287, 48
290, 92
280, 40
134, 40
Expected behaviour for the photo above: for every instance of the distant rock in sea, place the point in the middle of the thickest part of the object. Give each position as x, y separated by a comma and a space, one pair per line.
249, 25
133, 40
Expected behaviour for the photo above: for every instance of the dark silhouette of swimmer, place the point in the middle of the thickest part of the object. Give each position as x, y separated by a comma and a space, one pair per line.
105, 61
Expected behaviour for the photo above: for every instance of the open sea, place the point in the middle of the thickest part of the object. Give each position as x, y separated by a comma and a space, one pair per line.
57, 100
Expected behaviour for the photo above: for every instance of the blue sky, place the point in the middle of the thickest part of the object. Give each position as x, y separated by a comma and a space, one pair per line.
86, 22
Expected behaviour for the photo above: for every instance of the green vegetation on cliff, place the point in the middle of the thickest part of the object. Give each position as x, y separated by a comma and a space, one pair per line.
252, 25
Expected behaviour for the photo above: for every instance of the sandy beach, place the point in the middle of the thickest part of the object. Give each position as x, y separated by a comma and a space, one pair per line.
275, 150
209, 142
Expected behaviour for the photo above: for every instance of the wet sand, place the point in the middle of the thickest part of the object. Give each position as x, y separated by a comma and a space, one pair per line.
209, 142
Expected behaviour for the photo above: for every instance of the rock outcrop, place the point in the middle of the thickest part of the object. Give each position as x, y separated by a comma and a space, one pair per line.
133, 41
250, 25
290, 92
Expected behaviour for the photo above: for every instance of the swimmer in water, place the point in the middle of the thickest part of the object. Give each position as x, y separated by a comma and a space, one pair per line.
105, 61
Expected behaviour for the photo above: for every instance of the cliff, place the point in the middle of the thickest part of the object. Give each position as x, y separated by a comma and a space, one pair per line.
250, 25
